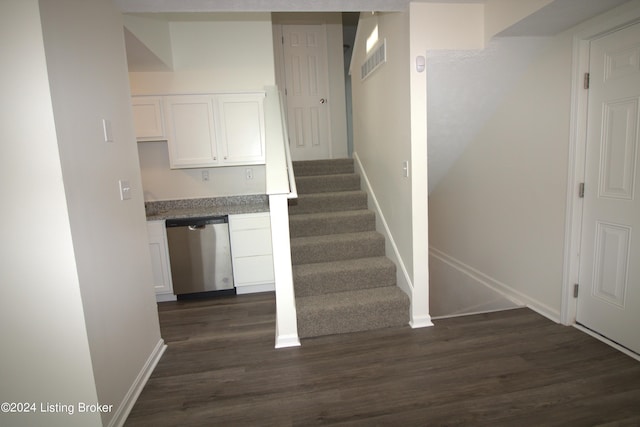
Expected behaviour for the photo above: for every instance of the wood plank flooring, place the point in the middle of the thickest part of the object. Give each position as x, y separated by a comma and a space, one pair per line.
500, 369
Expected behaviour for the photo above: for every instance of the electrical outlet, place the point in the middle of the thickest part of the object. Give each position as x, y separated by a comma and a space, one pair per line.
248, 173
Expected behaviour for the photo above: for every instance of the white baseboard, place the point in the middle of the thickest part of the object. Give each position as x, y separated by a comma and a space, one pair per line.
123, 410
283, 341
252, 289
505, 290
165, 297
421, 322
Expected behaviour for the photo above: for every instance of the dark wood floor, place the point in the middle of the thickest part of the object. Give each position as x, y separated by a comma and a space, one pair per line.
508, 368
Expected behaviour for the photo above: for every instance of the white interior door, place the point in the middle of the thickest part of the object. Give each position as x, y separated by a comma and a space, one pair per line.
306, 90
609, 298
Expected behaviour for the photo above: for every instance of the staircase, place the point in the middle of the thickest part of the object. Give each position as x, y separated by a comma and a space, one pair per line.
343, 281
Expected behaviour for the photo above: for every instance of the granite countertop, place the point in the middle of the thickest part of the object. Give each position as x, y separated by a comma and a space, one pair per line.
214, 206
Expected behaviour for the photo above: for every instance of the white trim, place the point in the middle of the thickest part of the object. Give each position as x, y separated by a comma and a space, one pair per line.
420, 322
123, 410
611, 21
284, 341
473, 313
166, 297
403, 279
254, 289
607, 341
503, 289
286, 318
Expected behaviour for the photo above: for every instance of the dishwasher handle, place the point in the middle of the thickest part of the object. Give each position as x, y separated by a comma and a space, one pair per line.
196, 223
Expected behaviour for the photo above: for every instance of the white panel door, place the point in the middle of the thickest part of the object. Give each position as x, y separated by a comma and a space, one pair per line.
306, 90
609, 298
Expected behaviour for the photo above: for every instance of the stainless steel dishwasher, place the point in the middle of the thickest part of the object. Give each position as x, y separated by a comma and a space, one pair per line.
200, 255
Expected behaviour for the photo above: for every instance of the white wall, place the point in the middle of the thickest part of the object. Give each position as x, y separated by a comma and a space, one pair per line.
500, 209
161, 183
465, 87
221, 52
449, 26
87, 71
45, 349
382, 124
501, 14
389, 127
154, 35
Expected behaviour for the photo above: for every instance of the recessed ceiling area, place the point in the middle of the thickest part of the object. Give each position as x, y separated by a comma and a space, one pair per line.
558, 16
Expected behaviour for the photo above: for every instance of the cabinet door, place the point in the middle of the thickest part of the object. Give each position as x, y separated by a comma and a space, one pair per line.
251, 252
147, 118
191, 132
241, 128
159, 257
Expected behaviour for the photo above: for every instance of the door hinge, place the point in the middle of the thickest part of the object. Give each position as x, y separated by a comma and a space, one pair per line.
581, 190
575, 290
586, 81
283, 40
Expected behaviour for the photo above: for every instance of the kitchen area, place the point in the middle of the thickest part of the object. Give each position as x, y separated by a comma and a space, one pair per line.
199, 119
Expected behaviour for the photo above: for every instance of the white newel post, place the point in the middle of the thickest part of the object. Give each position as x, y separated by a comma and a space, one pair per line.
286, 322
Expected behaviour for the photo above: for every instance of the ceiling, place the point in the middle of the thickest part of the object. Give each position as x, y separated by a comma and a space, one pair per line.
557, 16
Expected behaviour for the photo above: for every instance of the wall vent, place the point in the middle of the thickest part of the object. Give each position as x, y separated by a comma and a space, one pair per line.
375, 59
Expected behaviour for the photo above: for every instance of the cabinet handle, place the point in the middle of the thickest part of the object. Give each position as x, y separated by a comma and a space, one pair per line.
225, 157
215, 158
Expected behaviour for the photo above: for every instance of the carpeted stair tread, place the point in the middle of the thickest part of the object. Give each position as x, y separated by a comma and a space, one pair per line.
314, 224
328, 202
352, 311
344, 275
322, 167
327, 183
342, 280
334, 247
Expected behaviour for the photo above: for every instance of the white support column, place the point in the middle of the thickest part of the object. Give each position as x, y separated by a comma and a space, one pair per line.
286, 322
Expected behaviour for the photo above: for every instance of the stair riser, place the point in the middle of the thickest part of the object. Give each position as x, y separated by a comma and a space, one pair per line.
305, 253
302, 227
327, 183
343, 282
340, 281
353, 319
330, 202
323, 167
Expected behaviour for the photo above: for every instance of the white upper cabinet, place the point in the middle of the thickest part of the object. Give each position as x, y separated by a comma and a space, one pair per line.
241, 128
211, 130
148, 119
191, 131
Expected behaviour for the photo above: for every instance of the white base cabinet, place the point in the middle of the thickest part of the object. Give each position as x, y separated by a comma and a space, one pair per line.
251, 252
160, 261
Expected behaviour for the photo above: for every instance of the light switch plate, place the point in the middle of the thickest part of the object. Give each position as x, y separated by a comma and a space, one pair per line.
125, 189
405, 168
106, 127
